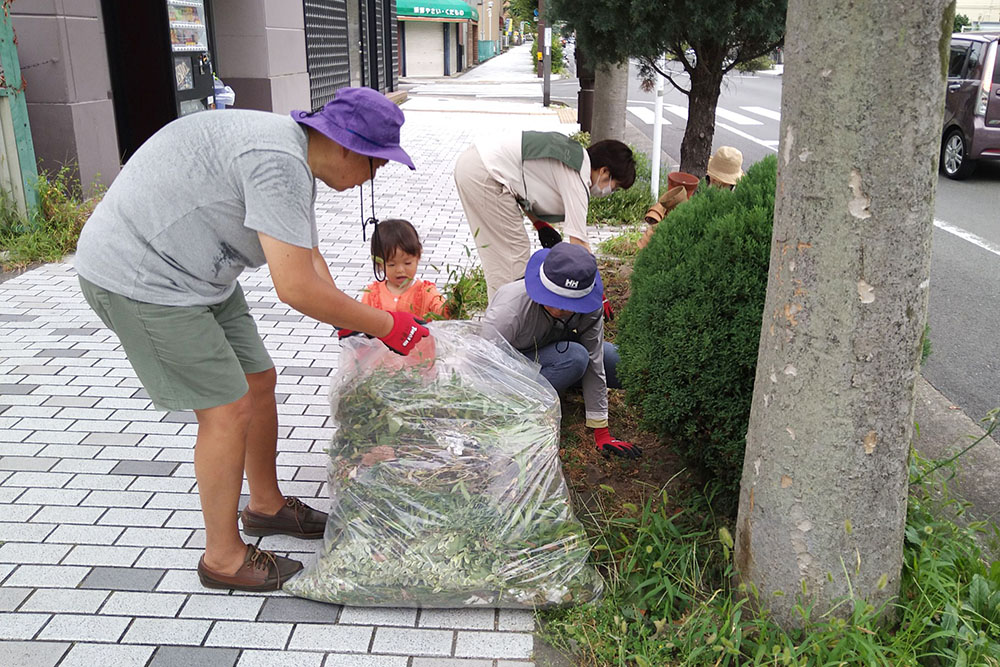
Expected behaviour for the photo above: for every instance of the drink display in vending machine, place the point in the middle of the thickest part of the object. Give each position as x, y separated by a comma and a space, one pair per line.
191, 64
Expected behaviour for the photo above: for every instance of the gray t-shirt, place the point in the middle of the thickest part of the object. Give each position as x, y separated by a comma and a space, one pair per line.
179, 224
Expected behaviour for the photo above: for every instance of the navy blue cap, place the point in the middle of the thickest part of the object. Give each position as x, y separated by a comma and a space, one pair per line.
565, 276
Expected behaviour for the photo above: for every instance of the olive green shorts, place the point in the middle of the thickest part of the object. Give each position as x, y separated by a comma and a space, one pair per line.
187, 357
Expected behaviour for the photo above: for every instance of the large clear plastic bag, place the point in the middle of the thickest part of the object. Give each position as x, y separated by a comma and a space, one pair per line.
446, 483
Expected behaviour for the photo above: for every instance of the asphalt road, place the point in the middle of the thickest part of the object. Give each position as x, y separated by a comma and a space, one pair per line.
964, 306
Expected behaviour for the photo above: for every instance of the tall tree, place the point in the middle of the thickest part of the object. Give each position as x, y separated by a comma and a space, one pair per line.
823, 495
523, 10
721, 34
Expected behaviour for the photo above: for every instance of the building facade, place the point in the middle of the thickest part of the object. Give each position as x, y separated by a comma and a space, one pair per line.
104, 75
435, 37
490, 28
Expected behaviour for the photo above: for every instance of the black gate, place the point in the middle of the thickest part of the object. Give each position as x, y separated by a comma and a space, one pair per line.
327, 48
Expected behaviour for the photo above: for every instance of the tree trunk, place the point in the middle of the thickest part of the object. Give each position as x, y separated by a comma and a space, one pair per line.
610, 96
823, 495
706, 84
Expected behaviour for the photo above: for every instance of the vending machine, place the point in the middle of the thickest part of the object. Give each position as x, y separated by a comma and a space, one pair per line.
159, 56
190, 60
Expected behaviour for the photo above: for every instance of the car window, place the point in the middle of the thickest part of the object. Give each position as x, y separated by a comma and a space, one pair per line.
974, 67
996, 70
956, 61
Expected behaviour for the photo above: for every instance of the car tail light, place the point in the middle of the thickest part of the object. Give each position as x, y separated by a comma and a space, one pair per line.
987, 84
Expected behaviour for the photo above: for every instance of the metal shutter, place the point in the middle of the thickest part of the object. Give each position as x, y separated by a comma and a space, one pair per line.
326, 49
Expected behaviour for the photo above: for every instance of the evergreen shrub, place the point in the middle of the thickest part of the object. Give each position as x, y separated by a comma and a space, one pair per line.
688, 335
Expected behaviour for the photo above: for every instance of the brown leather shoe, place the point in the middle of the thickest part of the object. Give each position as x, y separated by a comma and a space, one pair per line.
295, 518
261, 571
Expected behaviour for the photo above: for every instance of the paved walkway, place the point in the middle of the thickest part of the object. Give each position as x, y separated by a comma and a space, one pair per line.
509, 75
99, 514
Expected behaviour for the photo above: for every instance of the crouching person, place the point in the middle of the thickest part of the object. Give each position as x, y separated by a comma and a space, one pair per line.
555, 317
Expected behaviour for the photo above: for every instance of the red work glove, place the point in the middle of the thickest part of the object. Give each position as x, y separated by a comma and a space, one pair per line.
607, 445
406, 332
346, 333
547, 234
609, 313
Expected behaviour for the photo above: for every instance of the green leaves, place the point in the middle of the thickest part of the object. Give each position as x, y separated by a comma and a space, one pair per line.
614, 31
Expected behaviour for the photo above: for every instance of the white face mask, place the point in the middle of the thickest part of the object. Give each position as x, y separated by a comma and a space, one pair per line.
598, 191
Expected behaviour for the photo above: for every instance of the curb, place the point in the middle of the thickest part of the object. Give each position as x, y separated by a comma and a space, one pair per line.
944, 430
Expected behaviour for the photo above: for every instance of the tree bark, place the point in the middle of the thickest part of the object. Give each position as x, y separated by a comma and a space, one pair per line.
610, 96
823, 494
706, 84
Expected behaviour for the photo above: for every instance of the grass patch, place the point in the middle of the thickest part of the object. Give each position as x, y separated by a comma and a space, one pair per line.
625, 207
55, 227
624, 245
670, 601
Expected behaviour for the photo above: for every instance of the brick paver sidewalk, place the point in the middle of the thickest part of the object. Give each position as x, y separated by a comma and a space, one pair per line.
99, 514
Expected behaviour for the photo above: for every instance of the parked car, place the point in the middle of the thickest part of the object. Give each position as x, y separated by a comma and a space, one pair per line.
972, 104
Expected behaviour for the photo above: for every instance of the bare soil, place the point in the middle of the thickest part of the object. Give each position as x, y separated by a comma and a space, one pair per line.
603, 485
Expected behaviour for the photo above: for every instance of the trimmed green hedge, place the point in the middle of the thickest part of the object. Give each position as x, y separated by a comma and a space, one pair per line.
689, 333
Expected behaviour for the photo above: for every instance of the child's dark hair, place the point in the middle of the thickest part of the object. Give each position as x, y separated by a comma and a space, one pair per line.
617, 157
394, 235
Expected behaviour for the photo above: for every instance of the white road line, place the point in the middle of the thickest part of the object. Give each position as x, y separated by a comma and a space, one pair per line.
647, 116
766, 113
676, 110
642, 113
734, 117
967, 236
770, 145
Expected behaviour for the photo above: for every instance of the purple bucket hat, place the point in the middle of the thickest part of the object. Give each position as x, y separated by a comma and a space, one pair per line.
361, 120
564, 276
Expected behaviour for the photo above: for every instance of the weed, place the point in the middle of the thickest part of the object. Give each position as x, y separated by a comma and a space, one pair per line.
465, 290
55, 227
624, 245
627, 206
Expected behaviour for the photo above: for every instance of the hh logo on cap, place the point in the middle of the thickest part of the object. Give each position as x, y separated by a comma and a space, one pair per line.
572, 284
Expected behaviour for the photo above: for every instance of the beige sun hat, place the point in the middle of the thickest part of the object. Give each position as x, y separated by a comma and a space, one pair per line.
726, 166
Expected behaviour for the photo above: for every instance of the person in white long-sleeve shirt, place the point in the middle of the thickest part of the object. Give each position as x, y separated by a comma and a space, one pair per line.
554, 317
545, 176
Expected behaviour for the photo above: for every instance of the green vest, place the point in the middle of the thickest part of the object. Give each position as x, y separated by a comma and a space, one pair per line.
548, 146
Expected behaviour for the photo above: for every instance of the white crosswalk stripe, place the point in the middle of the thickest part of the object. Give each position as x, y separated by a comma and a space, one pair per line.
733, 117
761, 111
676, 110
645, 114
726, 114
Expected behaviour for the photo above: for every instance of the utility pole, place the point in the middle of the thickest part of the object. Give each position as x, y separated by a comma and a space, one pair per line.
545, 35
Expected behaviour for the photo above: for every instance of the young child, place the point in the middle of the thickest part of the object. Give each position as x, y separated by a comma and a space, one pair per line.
397, 250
